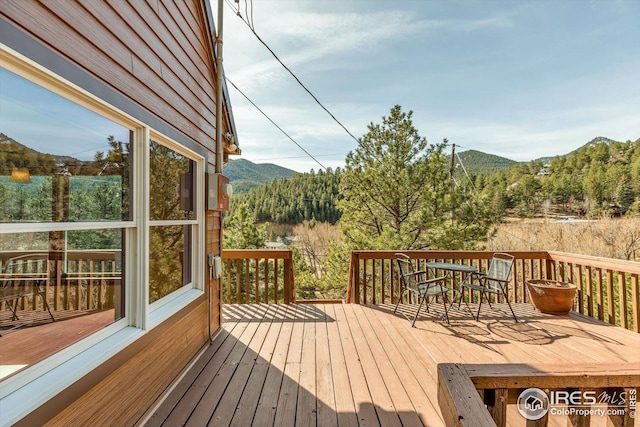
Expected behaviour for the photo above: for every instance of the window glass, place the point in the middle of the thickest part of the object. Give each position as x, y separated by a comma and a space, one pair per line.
171, 184
56, 288
169, 259
59, 161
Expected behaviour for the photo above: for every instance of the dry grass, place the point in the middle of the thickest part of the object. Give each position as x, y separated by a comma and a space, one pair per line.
610, 238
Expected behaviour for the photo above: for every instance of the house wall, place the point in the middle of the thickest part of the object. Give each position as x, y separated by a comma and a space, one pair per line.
158, 56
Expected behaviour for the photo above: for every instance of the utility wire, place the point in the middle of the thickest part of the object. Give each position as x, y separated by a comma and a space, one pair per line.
292, 74
298, 157
274, 123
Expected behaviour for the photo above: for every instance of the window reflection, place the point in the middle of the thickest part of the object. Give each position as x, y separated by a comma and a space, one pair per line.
171, 184
59, 161
169, 262
68, 280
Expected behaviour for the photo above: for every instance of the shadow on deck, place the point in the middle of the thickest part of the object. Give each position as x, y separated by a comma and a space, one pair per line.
350, 365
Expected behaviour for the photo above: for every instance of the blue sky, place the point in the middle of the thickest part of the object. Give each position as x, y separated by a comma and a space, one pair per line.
520, 79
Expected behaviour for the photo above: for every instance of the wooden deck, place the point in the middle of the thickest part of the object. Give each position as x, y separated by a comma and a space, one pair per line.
353, 365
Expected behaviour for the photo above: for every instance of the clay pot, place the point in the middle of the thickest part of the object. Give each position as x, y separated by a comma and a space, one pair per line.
551, 296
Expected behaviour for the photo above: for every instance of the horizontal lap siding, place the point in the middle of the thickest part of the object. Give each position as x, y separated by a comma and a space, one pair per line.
124, 396
155, 53
213, 247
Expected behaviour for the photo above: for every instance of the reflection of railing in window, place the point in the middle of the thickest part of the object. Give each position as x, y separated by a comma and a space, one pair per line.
92, 282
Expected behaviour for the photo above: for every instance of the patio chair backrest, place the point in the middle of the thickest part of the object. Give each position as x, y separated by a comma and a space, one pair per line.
22, 275
500, 268
407, 273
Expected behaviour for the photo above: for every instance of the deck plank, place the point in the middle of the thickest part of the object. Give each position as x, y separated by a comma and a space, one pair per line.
380, 396
306, 409
410, 370
288, 397
325, 389
348, 365
366, 412
218, 376
267, 404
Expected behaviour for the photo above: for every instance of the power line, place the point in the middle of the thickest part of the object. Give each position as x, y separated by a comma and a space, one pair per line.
250, 25
274, 123
298, 157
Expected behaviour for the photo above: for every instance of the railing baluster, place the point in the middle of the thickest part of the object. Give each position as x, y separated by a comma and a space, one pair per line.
228, 281
622, 299
373, 281
635, 302
247, 281
266, 281
382, 282
238, 275
257, 281
365, 282
611, 310
275, 280
599, 294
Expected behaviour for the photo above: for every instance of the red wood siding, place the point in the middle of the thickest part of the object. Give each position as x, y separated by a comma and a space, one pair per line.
157, 53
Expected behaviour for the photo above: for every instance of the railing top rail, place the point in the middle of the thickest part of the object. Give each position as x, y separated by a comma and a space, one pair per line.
447, 254
520, 375
256, 253
98, 254
632, 267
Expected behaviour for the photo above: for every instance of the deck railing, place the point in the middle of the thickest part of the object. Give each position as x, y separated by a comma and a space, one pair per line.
89, 281
479, 395
608, 289
257, 276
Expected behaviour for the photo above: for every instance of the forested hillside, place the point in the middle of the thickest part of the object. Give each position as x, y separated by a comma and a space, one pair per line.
290, 201
601, 178
479, 163
245, 175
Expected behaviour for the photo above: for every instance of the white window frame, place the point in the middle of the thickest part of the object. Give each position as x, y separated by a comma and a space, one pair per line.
25, 391
160, 309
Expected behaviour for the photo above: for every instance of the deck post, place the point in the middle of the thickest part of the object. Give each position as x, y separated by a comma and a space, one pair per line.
354, 279
496, 401
289, 291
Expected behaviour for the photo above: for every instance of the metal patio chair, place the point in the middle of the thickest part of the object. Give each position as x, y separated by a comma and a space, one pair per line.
20, 279
494, 281
417, 284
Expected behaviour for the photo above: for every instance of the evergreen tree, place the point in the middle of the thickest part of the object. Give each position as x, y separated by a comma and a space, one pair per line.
242, 232
396, 193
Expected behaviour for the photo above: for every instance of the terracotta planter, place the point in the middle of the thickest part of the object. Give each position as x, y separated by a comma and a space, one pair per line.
551, 296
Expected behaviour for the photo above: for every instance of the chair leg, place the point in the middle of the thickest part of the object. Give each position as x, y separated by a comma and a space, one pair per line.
444, 304
46, 305
418, 311
482, 294
510, 308
426, 306
399, 299
467, 304
14, 309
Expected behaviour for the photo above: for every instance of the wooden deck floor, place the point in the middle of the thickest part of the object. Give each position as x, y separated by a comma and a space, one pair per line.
351, 365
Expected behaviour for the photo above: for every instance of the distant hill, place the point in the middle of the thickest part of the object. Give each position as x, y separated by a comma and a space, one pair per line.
595, 141
479, 163
245, 175
10, 146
